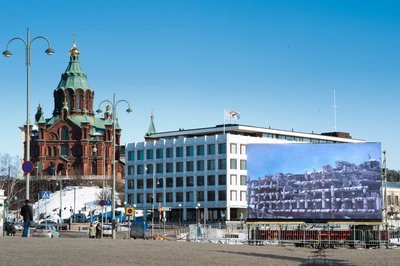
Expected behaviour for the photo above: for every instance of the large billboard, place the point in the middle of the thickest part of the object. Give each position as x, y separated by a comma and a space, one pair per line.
314, 182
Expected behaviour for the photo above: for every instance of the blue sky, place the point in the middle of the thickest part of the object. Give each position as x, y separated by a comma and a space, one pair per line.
275, 62
270, 159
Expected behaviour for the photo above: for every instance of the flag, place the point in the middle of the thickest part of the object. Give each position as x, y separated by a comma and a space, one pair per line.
232, 115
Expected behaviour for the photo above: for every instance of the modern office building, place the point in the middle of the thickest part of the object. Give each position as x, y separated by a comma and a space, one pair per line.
201, 174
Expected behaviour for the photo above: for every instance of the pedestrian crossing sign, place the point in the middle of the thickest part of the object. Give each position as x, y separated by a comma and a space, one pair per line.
45, 194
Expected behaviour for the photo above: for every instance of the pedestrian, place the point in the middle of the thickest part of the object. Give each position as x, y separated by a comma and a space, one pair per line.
98, 230
27, 213
92, 231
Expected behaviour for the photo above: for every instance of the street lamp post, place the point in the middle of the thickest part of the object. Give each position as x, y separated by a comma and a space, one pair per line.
114, 113
7, 53
104, 174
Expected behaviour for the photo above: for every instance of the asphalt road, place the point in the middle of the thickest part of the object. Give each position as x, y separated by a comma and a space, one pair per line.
84, 251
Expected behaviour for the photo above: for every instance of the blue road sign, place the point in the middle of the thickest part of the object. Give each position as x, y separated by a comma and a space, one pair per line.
45, 194
27, 167
108, 202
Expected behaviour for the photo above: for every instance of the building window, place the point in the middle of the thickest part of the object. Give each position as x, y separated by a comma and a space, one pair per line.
200, 165
189, 181
179, 151
169, 153
221, 164
55, 152
159, 197
131, 155
140, 154
64, 150
159, 168
396, 200
243, 149
149, 197
221, 195
170, 182
189, 196
169, 167
160, 182
139, 183
200, 196
200, 180
233, 195
189, 166
160, 153
189, 151
179, 181
389, 200
179, 196
243, 180
210, 149
169, 197
211, 180
179, 167
233, 148
233, 180
140, 169
211, 165
243, 165
64, 133
243, 196
94, 168
233, 164
149, 154
49, 151
131, 184
200, 150
131, 169
222, 148
139, 198
149, 183
149, 168
211, 195
221, 180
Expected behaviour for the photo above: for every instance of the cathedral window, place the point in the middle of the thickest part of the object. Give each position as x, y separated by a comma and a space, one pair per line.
64, 133
64, 149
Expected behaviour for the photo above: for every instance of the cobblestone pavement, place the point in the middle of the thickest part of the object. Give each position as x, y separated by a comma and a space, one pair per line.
83, 251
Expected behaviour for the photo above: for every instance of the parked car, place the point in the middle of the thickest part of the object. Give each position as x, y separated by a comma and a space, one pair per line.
45, 230
107, 229
63, 226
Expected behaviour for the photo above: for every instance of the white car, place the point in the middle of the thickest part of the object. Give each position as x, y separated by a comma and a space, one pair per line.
43, 230
107, 230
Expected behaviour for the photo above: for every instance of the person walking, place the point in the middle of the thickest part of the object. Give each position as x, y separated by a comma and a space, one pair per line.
27, 213
92, 231
98, 230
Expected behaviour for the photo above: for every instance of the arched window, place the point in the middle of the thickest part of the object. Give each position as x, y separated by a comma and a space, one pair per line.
87, 97
64, 149
94, 168
389, 200
396, 200
49, 151
78, 101
70, 101
55, 152
64, 133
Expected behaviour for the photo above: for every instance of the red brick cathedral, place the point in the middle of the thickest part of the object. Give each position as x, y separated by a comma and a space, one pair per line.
73, 142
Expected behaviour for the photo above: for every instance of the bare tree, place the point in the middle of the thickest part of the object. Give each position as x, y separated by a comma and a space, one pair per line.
10, 176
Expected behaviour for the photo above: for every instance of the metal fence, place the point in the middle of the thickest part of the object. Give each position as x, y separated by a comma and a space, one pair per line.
297, 236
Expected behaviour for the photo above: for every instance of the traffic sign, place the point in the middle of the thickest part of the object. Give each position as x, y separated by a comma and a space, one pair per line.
164, 209
108, 202
130, 211
45, 194
27, 167
102, 203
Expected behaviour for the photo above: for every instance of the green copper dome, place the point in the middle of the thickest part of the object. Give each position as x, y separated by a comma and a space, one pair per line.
73, 77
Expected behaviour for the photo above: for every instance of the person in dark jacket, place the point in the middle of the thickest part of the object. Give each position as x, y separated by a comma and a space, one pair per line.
27, 213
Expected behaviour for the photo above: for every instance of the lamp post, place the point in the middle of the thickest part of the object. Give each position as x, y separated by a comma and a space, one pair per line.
104, 174
114, 113
7, 53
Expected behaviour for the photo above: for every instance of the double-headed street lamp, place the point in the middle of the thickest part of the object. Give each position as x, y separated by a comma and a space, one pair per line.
7, 53
114, 114
95, 150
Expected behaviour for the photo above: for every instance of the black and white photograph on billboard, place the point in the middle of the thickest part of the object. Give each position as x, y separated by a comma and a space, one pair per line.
314, 182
